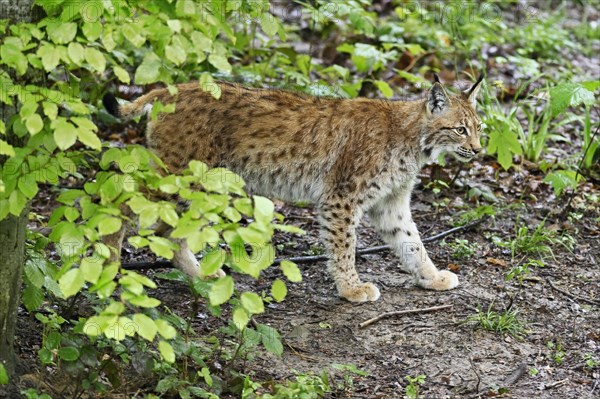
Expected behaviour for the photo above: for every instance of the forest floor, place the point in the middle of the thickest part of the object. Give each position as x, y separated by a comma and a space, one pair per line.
556, 343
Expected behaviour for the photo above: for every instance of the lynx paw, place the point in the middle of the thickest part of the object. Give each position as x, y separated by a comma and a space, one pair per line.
362, 293
444, 280
218, 274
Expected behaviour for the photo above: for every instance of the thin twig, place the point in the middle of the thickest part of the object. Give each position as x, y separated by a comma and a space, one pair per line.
159, 264
402, 312
573, 296
555, 384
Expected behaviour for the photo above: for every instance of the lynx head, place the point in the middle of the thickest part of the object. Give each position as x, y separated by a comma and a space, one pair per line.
452, 124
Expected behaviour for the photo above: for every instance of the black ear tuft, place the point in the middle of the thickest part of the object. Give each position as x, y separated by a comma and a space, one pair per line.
471, 94
436, 78
111, 104
438, 100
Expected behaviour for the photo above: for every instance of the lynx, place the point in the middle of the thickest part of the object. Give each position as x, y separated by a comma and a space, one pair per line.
350, 157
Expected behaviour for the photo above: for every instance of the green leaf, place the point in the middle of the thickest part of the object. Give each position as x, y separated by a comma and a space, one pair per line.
92, 30
50, 56
3, 375
240, 318
252, 303
28, 185
291, 271
76, 53
50, 110
208, 84
34, 124
89, 138
263, 209
185, 8
166, 351
212, 261
16, 202
506, 144
175, 54
569, 95
65, 134
269, 24
62, 32
270, 339
591, 85
91, 269
562, 179
10, 53
6, 149
169, 215
121, 74
96, 59
68, 353
109, 225
385, 88
148, 71
32, 297
145, 326
144, 301
278, 290
71, 282
162, 247
166, 330
220, 62
221, 290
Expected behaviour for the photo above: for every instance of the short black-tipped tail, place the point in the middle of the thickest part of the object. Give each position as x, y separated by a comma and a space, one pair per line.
111, 104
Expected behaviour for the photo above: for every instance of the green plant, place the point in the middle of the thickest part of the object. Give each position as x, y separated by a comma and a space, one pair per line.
521, 271
33, 394
3, 375
505, 322
558, 354
414, 384
591, 362
474, 214
349, 372
534, 242
461, 248
533, 371
52, 136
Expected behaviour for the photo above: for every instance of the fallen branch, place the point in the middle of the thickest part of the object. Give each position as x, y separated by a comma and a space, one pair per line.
573, 296
555, 384
402, 312
159, 264
515, 375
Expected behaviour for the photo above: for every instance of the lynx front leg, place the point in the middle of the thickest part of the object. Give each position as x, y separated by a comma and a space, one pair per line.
338, 224
391, 217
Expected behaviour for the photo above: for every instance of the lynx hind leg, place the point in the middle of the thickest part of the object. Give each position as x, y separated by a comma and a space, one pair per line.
393, 220
338, 222
115, 243
183, 258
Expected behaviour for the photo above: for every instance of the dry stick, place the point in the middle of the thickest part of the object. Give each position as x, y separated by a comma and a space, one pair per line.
573, 296
515, 375
315, 258
402, 312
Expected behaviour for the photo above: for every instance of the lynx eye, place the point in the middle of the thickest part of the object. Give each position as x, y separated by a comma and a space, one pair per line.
461, 130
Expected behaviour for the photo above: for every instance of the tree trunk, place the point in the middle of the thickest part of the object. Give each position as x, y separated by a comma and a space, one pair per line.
12, 228
12, 242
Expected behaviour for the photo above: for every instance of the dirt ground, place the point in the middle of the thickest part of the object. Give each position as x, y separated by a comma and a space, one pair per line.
458, 359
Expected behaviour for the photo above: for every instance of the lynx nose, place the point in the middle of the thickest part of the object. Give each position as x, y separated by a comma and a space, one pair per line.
476, 150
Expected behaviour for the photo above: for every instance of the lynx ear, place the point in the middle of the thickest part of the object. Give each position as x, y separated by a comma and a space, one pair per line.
438, 100
471, 94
